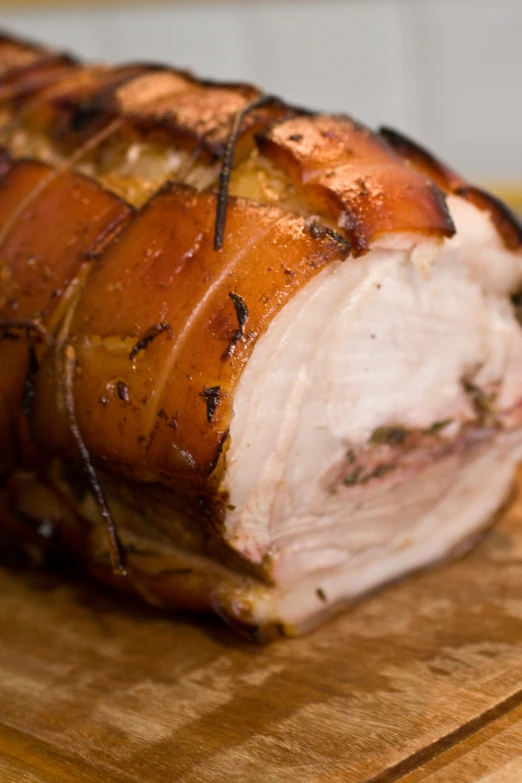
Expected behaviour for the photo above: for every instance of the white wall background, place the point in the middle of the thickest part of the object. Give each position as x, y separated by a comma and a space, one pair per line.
448, 72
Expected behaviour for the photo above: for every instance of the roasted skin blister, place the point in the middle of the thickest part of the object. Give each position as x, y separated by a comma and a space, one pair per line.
255, 360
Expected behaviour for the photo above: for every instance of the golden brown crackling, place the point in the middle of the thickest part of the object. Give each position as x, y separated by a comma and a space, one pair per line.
40, 258
164, 102
15, 185
193, 115
351, 175
46, 114
202, 118
18, 84
339, 169
506, 222
65, 113
340, 165
15, 54
162, 278
151, 103
158, 104
147, 89
163, 263
78, 110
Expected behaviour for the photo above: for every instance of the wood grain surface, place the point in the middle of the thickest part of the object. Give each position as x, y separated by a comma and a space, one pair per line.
492, 754
422, 682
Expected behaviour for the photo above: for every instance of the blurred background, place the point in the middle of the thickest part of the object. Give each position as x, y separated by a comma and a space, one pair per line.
447, 72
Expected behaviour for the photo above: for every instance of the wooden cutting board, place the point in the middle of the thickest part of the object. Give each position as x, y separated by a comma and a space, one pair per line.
420, 683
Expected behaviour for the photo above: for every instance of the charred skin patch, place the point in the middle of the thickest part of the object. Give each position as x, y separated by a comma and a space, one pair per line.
85, 116
241, 310
212, 396
150, 335
318, 230
170, 421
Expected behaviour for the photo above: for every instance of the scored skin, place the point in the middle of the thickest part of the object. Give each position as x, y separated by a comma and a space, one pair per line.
35, 76
26, 70
164, 264
16, 55
506, 223
66, 112
349, 173
22, 181
39, 260
368, 187
163, 414
197, 116
166, 104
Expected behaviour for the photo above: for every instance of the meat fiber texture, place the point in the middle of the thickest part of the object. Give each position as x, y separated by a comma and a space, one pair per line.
254, 360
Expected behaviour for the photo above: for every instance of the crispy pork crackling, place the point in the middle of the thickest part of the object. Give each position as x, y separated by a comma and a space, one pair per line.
254, 360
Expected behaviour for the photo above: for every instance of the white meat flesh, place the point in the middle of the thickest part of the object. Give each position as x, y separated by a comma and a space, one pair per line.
417, 341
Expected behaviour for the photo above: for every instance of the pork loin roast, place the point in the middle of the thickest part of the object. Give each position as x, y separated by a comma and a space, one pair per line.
254, 360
